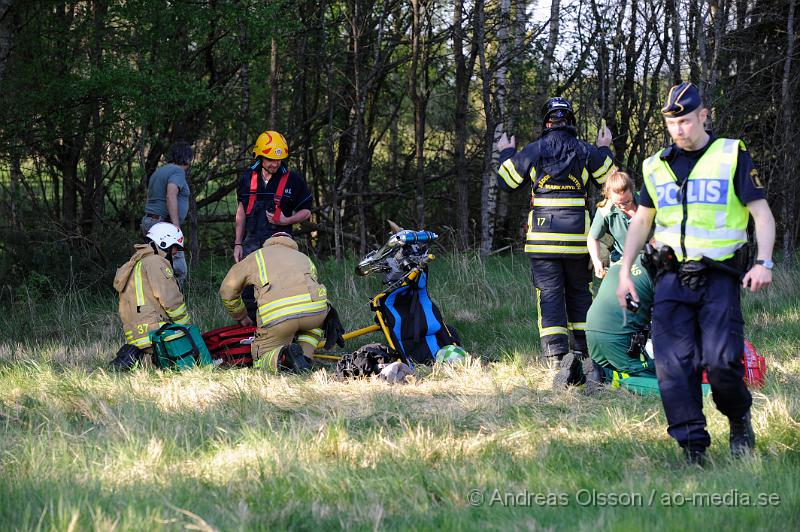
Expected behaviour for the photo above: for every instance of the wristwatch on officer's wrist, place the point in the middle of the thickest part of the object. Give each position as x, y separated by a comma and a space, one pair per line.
767, 263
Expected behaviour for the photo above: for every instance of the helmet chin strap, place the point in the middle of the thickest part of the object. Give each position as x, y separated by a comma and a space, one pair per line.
166, 253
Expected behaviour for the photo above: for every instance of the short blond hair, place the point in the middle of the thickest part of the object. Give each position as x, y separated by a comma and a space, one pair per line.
618, 182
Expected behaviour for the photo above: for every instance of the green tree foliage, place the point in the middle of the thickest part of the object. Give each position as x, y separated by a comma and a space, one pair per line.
93, 92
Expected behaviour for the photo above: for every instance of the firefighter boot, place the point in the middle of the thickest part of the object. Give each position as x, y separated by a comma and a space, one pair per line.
594, 375
127, 357
552, 361
570, 372
292, 359
743, 439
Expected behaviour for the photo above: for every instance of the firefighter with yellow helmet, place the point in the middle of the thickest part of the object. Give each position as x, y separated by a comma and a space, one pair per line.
271, 198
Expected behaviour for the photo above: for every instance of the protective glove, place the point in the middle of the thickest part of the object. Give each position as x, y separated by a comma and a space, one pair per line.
692, 275
333, 329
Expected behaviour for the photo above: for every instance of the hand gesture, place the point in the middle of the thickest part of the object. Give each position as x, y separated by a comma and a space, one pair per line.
599, 271
624, 288
276, 218
604, 136
505, 143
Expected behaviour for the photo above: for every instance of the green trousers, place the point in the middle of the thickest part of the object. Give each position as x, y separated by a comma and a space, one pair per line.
621, 371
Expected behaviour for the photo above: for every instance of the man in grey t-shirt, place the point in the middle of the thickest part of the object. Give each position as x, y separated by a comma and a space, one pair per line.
168, 199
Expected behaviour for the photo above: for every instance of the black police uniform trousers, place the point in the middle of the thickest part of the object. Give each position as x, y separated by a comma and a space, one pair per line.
563, 298
692, 330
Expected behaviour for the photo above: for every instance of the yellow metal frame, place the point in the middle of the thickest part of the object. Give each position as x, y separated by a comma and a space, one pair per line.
380, 326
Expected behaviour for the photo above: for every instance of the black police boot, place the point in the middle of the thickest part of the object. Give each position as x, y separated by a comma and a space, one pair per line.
292, 359
695, 456
743, 439
594, 375
570, 372
127, 357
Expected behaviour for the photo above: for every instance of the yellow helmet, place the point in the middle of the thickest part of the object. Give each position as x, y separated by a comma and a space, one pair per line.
272, 145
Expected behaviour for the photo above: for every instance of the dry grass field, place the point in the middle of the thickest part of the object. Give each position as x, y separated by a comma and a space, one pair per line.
486, 445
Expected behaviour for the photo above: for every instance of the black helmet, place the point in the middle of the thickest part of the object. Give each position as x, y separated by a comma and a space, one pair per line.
557, 108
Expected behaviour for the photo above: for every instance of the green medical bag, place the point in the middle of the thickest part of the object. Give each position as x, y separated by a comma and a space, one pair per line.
179, 346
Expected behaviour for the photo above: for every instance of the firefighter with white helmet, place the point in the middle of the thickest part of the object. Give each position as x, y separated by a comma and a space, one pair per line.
148, 293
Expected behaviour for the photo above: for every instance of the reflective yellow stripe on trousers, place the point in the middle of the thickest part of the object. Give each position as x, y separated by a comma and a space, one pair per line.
290, 306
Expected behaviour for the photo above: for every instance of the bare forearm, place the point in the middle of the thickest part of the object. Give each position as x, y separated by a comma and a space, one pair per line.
300, 216
638, 230
172, 207
765, 232
593, 246
240, 219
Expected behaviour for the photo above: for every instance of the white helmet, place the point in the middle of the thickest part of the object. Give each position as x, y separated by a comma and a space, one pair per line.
164, 235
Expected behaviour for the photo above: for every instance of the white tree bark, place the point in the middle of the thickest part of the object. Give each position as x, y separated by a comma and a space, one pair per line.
789, 157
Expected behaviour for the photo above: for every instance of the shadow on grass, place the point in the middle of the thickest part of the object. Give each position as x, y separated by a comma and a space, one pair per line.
576, 485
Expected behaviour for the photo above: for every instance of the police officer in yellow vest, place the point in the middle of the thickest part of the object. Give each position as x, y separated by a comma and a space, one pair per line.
148, 293
701, 192
559, 167
292, 305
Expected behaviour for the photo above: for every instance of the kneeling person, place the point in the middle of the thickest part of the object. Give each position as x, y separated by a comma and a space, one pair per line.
149, 295
291, 303
610, 335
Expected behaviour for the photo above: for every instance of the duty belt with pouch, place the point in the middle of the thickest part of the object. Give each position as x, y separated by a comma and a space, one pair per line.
692, 274
658, 261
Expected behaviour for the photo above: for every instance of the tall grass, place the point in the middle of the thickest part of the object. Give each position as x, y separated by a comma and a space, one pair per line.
81, 448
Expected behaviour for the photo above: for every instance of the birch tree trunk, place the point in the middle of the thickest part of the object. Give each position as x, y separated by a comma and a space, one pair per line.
244, 84
672, 15
552, 41
16, 178
273, 85
419, 100
719, 18
488, 181
461, 95
504, 57
789, 158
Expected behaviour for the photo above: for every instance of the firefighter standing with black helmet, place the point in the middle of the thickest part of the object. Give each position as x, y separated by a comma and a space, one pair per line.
559, 166
701, 192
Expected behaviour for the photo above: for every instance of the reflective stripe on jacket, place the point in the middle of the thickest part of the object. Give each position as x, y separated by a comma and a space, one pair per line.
703, 216
148, 295
285, 283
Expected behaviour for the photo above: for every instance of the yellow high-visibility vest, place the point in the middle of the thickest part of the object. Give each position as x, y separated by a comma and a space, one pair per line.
704, 217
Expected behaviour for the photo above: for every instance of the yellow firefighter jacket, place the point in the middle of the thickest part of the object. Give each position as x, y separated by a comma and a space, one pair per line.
285, 283
148, 295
